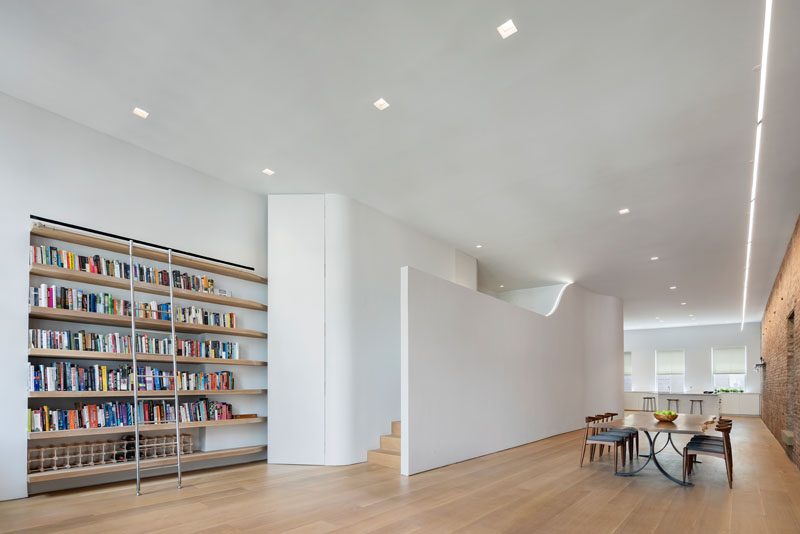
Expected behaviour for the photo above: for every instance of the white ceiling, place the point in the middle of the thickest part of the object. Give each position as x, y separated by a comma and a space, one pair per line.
528, 145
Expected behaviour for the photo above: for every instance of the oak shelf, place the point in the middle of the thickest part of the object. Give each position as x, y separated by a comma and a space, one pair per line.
197, 456
142, 394
121, 247
34, 436
49, 271
126, 357
75, 316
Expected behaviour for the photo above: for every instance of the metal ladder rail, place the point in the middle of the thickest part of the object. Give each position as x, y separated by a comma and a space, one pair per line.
176, 405
178, 444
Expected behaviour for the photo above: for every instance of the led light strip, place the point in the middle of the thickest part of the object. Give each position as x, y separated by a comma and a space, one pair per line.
558, 298
762, 90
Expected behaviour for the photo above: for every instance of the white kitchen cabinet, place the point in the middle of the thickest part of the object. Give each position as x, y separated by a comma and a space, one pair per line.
740, 403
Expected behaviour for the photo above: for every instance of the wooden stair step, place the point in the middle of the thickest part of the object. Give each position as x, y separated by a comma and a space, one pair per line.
384, 457
390, 442
396, 428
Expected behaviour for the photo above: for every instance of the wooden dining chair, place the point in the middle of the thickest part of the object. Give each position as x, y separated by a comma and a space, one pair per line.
632, 434
703, 445
594, 437
627, 433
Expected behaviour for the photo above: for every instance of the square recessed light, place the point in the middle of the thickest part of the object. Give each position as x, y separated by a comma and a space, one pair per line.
139, 112
478, 246
502, 286
624, 211
268, 172
653, 258
381, 104
683, 304
507, 29
672, 288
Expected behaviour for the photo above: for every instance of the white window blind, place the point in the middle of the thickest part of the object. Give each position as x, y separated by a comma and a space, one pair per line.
730, 361
628, 366
670, 362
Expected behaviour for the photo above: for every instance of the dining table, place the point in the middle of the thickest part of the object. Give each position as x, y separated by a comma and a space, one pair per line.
686, 424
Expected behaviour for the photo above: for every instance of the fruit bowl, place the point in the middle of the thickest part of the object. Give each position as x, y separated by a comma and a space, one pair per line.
666, 416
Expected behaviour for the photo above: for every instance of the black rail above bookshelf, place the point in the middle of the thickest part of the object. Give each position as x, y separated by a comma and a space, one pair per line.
75, 316
121, 247
49, 271
126, 357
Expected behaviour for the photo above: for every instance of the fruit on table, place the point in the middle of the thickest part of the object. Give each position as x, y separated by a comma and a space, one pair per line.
666, 412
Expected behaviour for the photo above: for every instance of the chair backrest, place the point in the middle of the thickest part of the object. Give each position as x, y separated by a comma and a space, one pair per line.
589, 420
725, 429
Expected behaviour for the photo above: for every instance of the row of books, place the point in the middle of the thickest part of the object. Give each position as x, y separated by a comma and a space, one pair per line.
66, 376
65, 259
68, 298
120, 413
121, 343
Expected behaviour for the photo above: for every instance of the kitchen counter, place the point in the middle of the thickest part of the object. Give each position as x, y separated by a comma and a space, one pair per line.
715, 403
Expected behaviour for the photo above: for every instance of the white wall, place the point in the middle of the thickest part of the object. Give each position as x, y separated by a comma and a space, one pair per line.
480, 375
55, 168
697, 342
364, 250
297, 329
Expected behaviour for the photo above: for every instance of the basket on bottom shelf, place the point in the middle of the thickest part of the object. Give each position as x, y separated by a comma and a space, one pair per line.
66, 456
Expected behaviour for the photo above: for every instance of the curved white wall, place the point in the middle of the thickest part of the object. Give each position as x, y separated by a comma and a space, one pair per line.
480, 375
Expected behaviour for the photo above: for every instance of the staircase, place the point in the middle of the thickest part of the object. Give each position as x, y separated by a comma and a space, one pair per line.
389, 453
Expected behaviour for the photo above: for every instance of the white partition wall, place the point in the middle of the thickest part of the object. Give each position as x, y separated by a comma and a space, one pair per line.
296, 268
480, 375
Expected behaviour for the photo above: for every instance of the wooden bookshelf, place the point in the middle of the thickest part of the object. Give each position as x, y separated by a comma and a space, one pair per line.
59, 273
121, 247
35, 436
126, 357
124, 321
130, 465
142, 394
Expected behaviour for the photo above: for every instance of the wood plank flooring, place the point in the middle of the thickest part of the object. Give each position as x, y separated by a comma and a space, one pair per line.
533, 488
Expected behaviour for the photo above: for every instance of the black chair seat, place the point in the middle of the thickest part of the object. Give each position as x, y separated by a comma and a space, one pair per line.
607, 436
706, 447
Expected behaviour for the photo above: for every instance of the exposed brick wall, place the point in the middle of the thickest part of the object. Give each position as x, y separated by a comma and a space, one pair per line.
780, 340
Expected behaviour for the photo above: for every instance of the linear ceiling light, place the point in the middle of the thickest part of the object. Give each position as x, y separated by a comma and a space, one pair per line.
762, 91
139, 112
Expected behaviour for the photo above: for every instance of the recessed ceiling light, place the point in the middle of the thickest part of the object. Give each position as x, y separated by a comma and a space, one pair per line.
683, 304
381, 104
502, 286
653, 258
139, 112
691, 315
673, 288
624, 211
478, 246
268, 172
659, 318
507, 29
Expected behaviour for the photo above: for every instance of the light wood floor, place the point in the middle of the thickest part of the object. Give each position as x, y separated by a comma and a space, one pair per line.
534, 488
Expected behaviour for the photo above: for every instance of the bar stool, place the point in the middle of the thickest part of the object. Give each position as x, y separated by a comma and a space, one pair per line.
648, 404
691, 410
677, 404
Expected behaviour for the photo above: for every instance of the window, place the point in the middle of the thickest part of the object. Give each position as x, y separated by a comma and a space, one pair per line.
670, 370
628, 372
730, 367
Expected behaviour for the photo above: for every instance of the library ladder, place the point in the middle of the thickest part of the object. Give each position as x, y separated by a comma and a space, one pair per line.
174, 376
